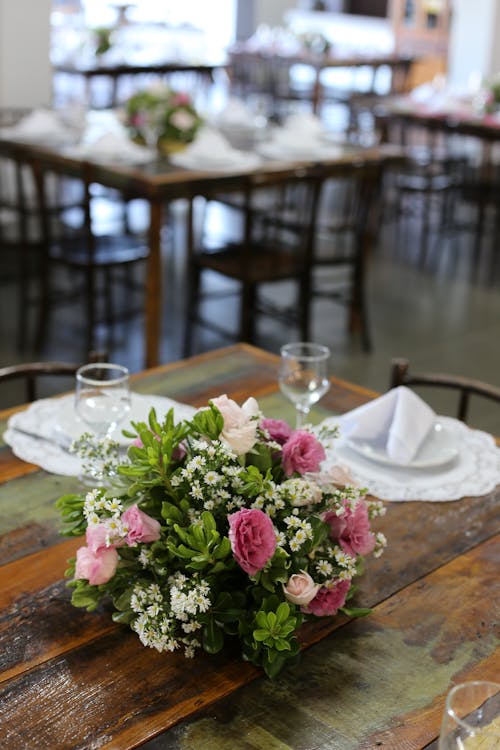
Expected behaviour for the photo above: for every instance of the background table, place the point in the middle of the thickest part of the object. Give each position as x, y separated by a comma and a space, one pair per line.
76, 680
159, 182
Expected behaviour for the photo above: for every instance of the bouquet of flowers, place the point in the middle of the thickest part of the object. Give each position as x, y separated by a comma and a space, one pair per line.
162, 114
222, 527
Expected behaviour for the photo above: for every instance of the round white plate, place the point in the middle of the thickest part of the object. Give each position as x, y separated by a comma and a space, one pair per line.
439, 448
68, 424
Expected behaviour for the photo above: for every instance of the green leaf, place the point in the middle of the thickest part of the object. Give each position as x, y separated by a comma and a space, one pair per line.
212, 637
356, 611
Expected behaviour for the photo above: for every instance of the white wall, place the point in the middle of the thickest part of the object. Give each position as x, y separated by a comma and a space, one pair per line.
475, 26
25, 72
271, 12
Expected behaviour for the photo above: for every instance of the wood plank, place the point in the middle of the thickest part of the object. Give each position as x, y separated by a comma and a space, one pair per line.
379, 682
422, 637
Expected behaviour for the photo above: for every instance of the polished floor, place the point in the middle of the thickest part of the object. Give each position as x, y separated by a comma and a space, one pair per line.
442, 317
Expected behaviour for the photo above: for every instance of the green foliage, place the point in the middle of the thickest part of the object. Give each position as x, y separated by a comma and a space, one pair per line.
185, 589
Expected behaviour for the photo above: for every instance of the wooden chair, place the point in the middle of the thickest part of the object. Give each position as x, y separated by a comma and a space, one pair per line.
344, 237
29, 373
422, 191
278, 215
465, 387
98, 266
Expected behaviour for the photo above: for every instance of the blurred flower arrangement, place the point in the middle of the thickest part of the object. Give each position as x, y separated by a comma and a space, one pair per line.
103, 40
222, 527
159, 116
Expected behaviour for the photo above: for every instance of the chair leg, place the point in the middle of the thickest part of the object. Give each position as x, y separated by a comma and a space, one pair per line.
192, 305
247, 313
43, 302
305, 302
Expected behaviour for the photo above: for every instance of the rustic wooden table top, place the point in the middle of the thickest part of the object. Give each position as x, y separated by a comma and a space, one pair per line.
70, 679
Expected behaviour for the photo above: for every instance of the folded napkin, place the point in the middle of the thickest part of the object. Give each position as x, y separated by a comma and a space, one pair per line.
235, 114
40, 124
116, 146
305, 123
211, 146
398, 421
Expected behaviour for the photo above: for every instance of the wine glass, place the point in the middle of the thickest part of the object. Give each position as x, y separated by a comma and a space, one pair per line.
471, 719
102, 398
303, 375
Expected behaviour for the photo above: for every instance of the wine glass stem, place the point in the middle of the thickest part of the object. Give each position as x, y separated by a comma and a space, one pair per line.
302, 414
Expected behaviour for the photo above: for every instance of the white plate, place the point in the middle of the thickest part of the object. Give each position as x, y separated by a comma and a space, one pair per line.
68, 424
439, 448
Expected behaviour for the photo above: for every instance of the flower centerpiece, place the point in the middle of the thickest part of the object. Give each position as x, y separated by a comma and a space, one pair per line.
221, 527
162, 117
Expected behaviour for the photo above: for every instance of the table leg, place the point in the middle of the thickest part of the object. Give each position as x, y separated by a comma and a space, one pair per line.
153, 287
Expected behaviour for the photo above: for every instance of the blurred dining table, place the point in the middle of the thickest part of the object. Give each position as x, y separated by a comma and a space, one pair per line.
72, 679
265, 68
159, 181
115, 72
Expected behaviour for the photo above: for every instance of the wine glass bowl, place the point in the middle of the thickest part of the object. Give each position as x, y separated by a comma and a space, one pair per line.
102, 397
471, 718
303, 375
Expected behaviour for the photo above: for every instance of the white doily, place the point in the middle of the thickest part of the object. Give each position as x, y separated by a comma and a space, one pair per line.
474, 472
55, 420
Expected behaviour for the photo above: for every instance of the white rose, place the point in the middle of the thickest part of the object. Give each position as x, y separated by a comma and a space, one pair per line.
240, 425
182, 120
300, 588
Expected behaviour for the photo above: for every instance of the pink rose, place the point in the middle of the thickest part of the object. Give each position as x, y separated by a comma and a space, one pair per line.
278, 430
180, 99
240, 426
329, 599
302, 453
300, 588
252, 537
352, 529
338, 475
96, 537
97, 567
141, 527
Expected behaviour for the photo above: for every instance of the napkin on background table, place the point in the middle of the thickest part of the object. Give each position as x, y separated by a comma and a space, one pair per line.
40, 124
116, 146
211, 146
399, 421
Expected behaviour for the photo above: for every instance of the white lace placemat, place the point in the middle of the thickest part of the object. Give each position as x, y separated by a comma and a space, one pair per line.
56, 424
474, 471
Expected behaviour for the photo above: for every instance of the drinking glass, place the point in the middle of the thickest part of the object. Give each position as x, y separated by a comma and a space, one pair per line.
102, 398
303, 375
471, 719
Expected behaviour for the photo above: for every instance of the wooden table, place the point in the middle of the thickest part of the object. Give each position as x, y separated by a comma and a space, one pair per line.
76, 680
159, 182
266, 68
115, 72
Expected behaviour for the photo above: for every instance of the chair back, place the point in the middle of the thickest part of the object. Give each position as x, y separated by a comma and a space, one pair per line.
19, 208
465, 387
31, 372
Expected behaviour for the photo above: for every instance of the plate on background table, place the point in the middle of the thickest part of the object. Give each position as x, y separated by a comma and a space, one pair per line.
439, 448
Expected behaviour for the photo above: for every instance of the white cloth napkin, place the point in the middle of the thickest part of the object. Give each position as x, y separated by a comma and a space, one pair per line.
211, 146
116, 147
40, 124
305, 123
399, 421
235, 114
